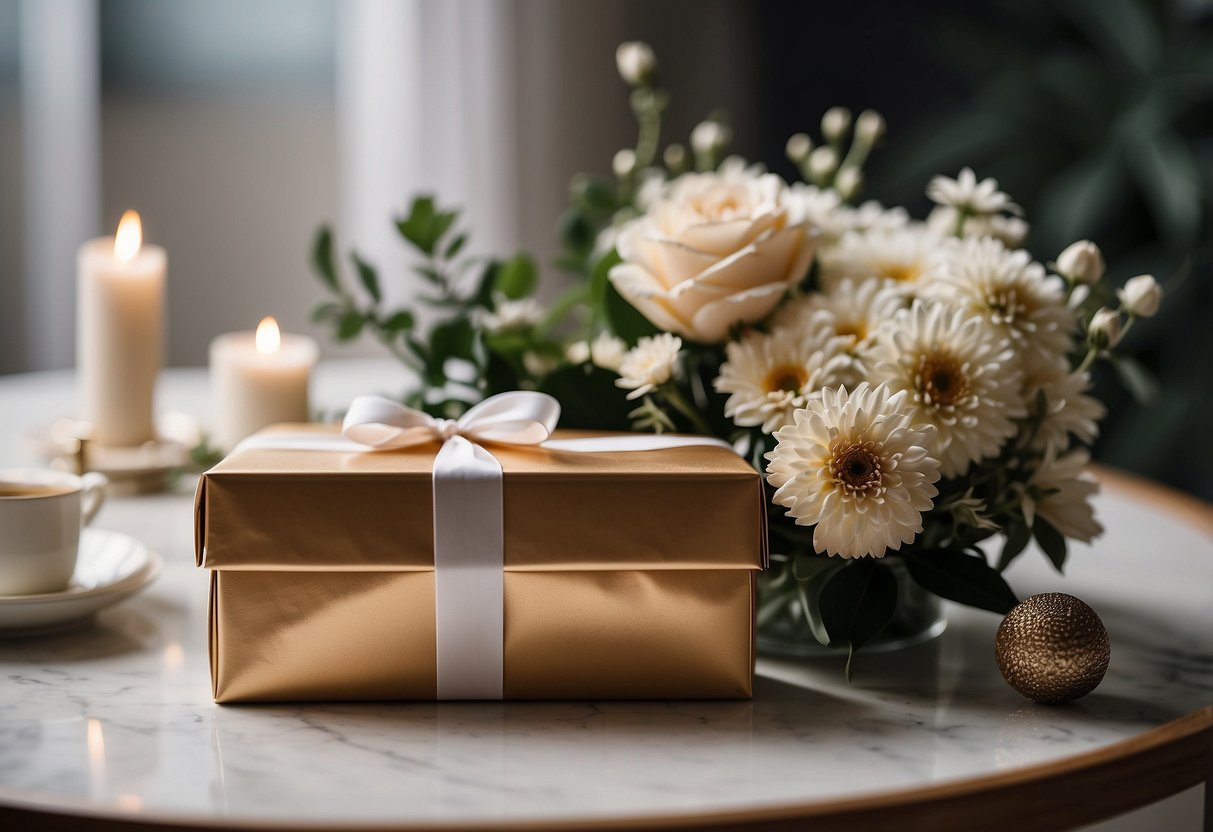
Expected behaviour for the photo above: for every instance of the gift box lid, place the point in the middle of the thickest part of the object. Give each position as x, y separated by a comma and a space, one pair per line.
699, 507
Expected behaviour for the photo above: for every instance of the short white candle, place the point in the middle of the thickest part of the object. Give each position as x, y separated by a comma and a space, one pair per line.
258, 379
119, 333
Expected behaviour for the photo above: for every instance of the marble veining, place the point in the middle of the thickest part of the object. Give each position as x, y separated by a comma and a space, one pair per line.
118, 714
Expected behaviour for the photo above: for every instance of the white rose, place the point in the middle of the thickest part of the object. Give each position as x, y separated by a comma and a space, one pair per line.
713, 250
1082, 262
1141, 296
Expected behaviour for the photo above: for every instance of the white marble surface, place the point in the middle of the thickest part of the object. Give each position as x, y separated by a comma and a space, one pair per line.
118, 716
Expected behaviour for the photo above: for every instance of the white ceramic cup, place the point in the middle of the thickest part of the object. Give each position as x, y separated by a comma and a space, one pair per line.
41, 513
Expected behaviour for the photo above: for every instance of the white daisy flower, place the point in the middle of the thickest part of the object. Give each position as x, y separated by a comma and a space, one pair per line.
509, 315
768, 376
649, 364
966, 194
1010, 291
897, 256
959, 374
856, 467
1063, 495
607, 351
854, 310
1069, 411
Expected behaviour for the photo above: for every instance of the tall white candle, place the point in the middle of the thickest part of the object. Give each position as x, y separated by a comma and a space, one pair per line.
120, 332
258, 379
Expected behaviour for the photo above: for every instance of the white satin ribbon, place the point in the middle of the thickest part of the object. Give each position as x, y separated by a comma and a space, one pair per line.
469, 534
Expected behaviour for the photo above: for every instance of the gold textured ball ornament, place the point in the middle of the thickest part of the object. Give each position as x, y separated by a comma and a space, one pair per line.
1052, 648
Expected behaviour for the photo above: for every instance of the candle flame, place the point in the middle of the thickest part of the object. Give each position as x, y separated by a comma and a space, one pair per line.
129, 238
268, 336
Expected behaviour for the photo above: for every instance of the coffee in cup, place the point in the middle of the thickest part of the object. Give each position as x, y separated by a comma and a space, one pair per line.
41, 513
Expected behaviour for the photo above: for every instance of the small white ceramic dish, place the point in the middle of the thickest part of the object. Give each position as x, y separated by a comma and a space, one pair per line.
110, 567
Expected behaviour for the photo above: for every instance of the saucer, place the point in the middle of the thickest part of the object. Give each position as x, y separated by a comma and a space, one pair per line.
144, 467
110, 567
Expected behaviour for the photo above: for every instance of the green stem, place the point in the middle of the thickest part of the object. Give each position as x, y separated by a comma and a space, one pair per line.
674, 396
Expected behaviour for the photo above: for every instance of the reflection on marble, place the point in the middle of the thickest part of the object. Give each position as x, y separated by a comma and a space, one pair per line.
119, 715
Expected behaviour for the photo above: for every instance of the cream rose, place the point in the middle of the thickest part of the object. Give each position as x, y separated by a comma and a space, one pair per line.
713, 250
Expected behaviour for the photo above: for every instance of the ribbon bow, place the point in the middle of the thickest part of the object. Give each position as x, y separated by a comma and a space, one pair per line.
521, 417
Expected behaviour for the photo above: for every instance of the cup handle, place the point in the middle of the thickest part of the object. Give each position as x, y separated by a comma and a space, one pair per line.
92, 489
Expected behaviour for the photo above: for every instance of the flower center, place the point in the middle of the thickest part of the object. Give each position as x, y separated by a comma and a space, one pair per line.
941, 380
788, 378
1006, 307
901, 272
857, 468
852, 329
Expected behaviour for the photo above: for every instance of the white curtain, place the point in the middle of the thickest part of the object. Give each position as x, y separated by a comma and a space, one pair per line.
61, 193
425, 102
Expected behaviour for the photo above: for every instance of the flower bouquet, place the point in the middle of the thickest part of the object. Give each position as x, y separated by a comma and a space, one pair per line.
910, 388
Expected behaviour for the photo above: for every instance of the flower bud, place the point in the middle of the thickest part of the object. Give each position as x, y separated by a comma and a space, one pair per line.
675, 158
1141, 296
835, 123
798, 148
1104, 331
848, 182
709, 136
822, 163
869, 127
1081, 262
636, 63
624, 163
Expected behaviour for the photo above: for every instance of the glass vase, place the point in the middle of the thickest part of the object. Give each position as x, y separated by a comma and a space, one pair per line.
785, 631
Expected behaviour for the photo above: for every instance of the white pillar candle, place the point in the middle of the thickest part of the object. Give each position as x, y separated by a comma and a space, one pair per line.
258, 379
119, 333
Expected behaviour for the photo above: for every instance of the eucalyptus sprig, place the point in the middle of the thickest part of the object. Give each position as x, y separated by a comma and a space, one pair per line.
462, 357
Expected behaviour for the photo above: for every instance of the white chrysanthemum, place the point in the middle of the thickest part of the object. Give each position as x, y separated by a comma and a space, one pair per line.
1010, 291
649, 364
769, 376
1063, 495
960, 375
854, 310
833, 218
509, 315
856, 467
1068, 410
896, 256
965, 193
1010, 231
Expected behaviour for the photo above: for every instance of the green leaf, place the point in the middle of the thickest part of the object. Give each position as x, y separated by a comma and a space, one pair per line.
425, 225
962, 578
499, 375
1141, 385
368, 277
623, 318
588, 397
805, 566
455, 246
322, 258
857, 602
452, 339
401, 321
325, 311
484, 289
1170, 179
349, 325
600, 278
1018, 537
517, 277
1050, 541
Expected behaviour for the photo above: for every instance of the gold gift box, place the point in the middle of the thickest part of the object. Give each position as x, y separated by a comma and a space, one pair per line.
628, 575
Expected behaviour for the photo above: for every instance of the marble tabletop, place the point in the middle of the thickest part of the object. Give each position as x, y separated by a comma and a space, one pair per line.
117, 717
